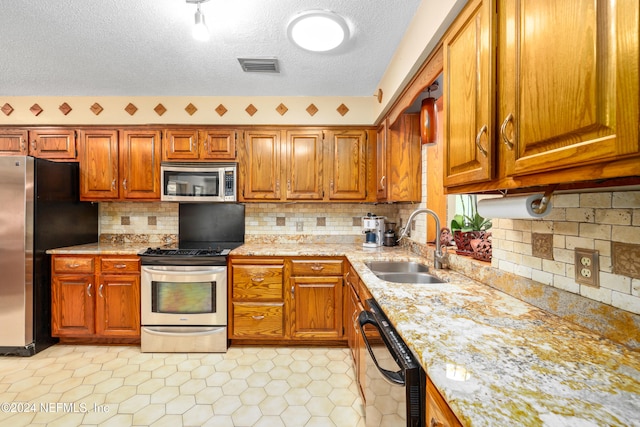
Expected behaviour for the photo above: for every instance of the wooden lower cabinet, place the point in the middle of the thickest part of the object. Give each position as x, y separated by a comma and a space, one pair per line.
438, 412
95, 297
257, 299
353, 305
285, 299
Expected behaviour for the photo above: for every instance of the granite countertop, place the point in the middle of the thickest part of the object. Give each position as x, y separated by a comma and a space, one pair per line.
101, 249
495, 359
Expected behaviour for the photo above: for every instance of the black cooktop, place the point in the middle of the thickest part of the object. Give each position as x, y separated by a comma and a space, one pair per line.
209, 252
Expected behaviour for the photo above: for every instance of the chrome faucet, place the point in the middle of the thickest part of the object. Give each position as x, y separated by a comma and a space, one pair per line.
440, 257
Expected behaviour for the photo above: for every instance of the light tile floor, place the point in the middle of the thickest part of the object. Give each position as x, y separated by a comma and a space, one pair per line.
120, 386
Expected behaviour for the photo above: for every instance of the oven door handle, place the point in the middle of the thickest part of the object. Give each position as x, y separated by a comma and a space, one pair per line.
210, 331
395, 378
187, 272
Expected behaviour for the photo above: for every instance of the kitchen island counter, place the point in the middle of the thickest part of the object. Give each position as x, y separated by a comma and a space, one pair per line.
495, 359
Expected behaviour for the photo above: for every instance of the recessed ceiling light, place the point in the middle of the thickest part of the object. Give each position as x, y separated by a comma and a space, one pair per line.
318, 30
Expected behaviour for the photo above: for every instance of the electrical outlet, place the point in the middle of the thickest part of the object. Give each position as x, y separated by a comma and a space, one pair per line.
587, 269
299, 226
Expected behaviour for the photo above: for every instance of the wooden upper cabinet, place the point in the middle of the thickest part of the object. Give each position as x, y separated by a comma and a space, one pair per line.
469, 93
53, 143
13, 142
199, 144
56, 144
260, 165
181, 144
140, 164
218, 144
569, 87
119, 165
347, 169
381, 163
304, 165
404, 160
98, 164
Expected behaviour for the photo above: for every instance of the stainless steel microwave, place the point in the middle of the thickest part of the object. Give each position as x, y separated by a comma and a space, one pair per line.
198, 182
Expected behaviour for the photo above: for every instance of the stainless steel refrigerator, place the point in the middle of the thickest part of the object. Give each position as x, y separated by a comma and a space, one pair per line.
39, 210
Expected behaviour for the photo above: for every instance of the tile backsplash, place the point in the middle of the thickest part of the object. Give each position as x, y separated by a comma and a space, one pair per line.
544, 249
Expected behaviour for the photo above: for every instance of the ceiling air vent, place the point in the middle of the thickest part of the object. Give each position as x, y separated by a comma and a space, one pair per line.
259, 65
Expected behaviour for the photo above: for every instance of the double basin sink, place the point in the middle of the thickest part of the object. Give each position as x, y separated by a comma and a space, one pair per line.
402, 272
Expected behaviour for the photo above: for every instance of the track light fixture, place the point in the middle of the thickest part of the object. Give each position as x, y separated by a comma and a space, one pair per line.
200, 31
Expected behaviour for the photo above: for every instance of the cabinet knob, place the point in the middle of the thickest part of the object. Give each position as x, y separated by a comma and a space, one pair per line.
483, 129
503, 131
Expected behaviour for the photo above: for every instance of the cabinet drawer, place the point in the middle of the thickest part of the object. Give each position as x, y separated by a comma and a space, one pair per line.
325, 267
258, 282
258, 320
73, 264
119, 265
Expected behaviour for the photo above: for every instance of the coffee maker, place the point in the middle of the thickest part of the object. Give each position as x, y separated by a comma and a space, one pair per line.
373, 229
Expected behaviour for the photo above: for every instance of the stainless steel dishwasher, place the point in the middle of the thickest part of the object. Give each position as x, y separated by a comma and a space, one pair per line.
395, 383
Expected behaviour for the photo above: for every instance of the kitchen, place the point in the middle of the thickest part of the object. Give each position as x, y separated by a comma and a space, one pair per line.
601, 220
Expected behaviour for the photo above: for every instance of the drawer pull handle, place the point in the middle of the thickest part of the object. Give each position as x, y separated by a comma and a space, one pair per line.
73, 265
89, 290
256, 317
257, 279
120, 265
317, 267
435, 423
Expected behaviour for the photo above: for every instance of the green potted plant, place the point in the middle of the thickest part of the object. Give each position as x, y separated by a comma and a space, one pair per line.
470, 229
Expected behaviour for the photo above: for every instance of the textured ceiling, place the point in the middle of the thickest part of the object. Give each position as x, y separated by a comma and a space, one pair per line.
145, 48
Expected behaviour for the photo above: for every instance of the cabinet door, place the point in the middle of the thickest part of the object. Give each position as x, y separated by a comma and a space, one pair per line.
13, 142
98, 164
260, 166
72, 305
381, 163
438, 412
404, 162
568, 83
468, 89
180, 144
316, 310
217, 144
53, 144
304, 165
140, 164
347, 165
118, 305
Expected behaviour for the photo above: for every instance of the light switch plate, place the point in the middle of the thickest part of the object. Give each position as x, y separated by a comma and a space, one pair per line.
587, 267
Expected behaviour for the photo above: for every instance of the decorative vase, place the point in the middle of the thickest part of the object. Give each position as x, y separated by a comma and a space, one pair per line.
463, 241
482, 247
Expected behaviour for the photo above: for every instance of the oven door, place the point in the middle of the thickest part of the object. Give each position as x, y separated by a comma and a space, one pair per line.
394, 386
183, 295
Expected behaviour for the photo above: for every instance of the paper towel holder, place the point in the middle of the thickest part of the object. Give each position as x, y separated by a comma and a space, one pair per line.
540, 206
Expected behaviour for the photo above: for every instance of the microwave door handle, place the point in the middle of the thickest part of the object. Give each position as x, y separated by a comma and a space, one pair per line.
395, 378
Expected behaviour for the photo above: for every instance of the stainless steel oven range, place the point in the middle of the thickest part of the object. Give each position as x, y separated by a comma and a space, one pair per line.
183, 290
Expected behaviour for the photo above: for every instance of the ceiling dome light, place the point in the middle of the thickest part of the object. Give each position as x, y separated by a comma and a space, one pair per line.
318, 30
